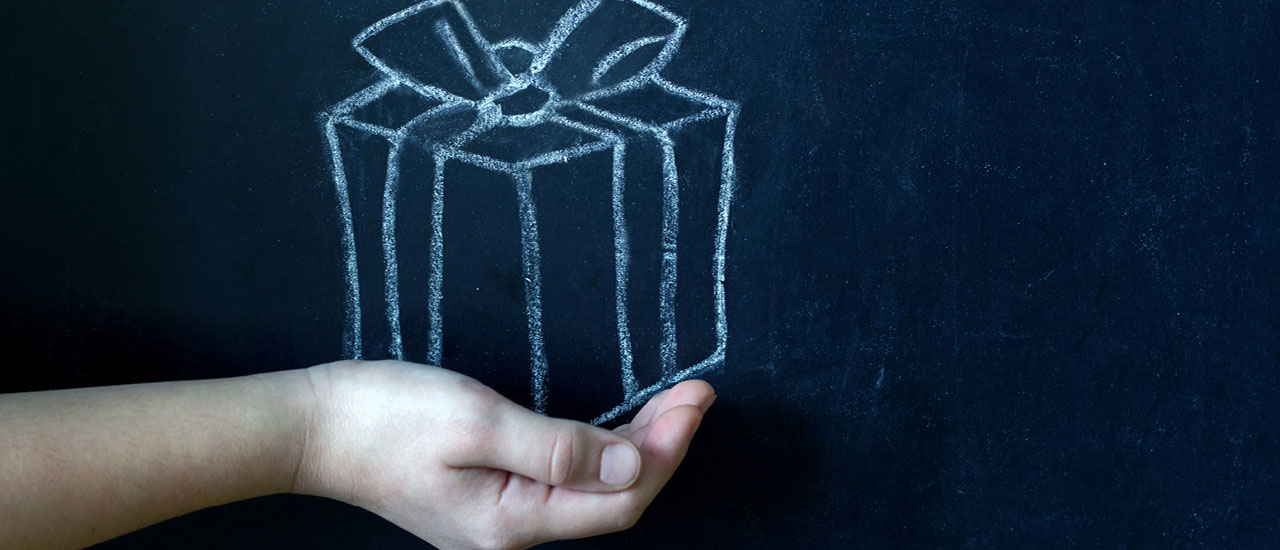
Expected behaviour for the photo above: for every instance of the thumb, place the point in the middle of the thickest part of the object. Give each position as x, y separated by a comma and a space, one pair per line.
558, 452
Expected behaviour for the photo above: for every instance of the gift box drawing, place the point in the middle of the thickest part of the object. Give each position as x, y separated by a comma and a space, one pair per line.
562, 195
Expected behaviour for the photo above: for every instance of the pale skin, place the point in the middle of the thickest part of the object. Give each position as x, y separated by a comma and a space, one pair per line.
435, 452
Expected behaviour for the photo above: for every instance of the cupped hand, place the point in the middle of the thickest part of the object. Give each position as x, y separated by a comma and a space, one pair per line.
460, 466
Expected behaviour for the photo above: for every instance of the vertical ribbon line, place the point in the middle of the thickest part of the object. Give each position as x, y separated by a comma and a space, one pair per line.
391, 266
670, 232
435, 293
622, 268
728, 179
532, 287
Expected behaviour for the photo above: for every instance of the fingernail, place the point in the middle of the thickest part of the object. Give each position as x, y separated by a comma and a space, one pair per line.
706, 403
619, 465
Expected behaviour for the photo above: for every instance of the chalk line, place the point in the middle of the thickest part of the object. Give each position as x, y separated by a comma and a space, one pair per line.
435, 294
728, 179
670, 234
351, 339
714, 361
399, 77
621, 53
563, 28
370, 128
517, 43
533, 288
362, 98
704, 115
445, 32
491, 52
451, 41
622, 268
391, 269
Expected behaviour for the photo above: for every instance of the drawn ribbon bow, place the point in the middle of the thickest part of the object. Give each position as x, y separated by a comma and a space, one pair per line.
597, 49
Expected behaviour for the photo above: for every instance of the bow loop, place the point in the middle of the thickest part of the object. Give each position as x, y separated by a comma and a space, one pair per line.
435, 48
606, 43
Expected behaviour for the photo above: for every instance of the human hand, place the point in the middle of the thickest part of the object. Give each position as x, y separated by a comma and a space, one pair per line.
460, 466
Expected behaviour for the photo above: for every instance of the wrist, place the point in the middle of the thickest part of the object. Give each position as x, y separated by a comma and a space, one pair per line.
316, 471
287, 404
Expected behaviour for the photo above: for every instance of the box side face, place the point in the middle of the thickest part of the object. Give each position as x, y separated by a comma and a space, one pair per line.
389, 196
698, 151
364, 159
643, 214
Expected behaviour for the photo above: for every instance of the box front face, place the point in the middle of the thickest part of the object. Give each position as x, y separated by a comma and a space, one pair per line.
579, 285
365, 158
483, 322
531, 308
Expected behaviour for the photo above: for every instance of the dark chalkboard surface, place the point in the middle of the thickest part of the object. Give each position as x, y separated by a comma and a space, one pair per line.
994, 274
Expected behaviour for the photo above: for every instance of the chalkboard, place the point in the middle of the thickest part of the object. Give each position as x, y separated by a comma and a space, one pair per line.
964, 274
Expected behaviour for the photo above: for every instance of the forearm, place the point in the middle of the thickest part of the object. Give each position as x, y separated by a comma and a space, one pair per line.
82, 466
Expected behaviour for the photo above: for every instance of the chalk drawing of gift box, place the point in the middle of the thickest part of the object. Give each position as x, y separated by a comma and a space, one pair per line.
563, 194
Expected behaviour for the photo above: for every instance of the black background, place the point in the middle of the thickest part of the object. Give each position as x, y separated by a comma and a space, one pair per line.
1000, 274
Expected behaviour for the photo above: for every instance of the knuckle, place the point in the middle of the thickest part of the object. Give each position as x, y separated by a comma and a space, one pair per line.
475, 407
471, 442
474, 401
473, 423
474, 439
494, 540
627, 521
630, 513
471, 385
631, 518
561, 464
343, 365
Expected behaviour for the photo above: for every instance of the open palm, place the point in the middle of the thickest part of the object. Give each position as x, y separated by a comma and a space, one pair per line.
460, 466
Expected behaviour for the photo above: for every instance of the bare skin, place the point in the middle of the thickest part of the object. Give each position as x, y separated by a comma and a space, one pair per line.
432, 451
